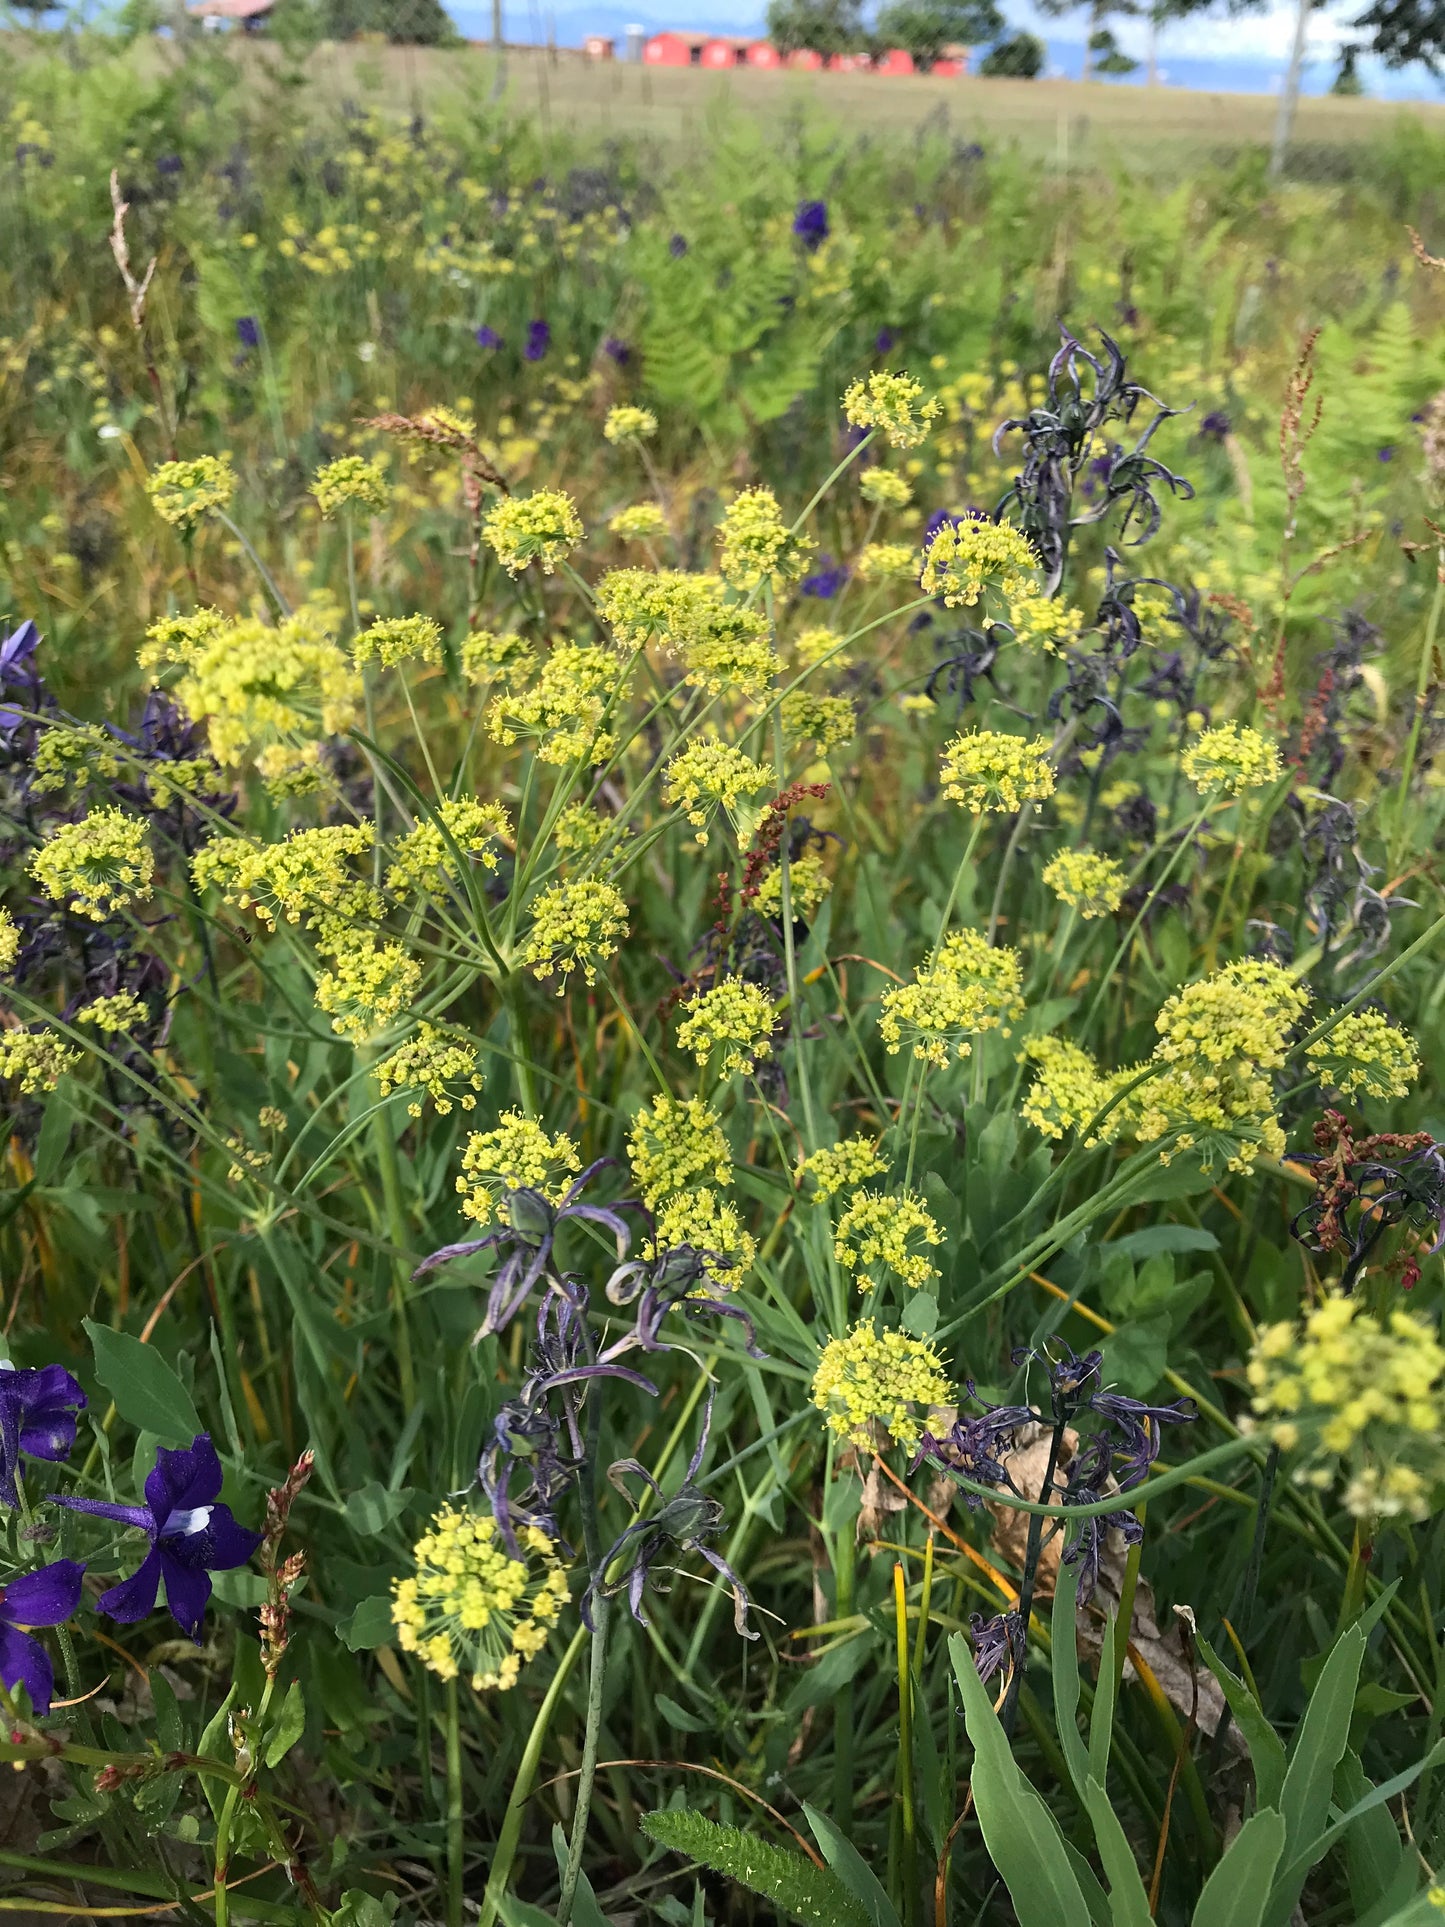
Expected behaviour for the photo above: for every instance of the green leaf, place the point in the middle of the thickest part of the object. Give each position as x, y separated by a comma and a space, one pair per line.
1065, 1663
1128, 1901
1021, 1835
215, 1744
289, 1725
1266, 1749
375, 1507
240, 1588
1101, 1721
521, 1913
679, 1716
852, 1870
835, 1668
585, 1910
920, 1314
146, 1391
368, 1625
1237, 1891
1155, 1238
1318, 1748
788, 1879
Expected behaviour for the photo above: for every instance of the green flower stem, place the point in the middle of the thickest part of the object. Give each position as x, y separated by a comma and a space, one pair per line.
1368, 988
511, 988
1422, 685
283, 607
844, 1558
597, 1673
1185, 841
383, 1138
456, 1819
908, 1881
965, 862
510, 1835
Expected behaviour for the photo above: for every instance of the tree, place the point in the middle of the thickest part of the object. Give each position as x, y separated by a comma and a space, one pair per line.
1108, 56
819, 26
1021, 57
1347, 79
420, 23
924, 28
1098, 40
1398, 32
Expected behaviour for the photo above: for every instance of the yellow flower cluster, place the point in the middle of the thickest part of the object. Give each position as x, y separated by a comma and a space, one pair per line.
396, 639
734, 1017
367, 991
426, 858
489, 657
182, 492
812, 646
253, 684
1230, 759
888, 562
1365, 1053
893, 402
729, 649
9, 942
517, 1154
970, 987
543, 527
175, 639
101, 864
640, 523
433, 1065
629, 425
565, 707
879, 1234
580, 829
871, 1378
1368, 1394
36, 1060
638, 604
965, 558
1087, 881
124, 1011
845, 1166
1043, 622
885, 488
824, 721
351, 480
66, 754
306, 878
808, 884
709, 1224
986, 770
675, 1144
1069, 1089
470, 1607
709, 773
756, 544
575, 926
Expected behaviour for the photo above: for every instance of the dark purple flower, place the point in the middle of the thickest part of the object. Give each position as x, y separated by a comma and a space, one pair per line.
617, 351
191, 1537
17, 652
169, 164
677, 247
826, 580
37, 1416
1215, 426
810, 224
488, 337
997, 1642
44, 1598
248, 331
539, 339
885, 341
1385, 455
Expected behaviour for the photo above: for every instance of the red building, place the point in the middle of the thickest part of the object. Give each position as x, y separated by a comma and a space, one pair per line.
762, 53
718, 52
674, 49
895, 61
805, 59
726, 50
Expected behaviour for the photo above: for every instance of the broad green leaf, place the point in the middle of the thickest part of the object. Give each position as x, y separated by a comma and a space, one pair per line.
368, 1625
375, 1506
1128, 1901
679, 1716
852, 1870
521, 1913
1236, 1893
794, 1885
289, 1725
1021, 1835
585, 1910
1065, 1663
1101, 1721
1308, 1856
215, 1744
1266, 1748
146, 1391
1155, 1238
1318, 1748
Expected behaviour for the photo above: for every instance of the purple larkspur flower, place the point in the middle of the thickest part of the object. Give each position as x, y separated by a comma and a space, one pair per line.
17, 652
677, 246
810, 224
191, 1537
617, 351
825, 581
885, 341
1384, 454
488, 337
539, 340
1215, 426
248, 331
37, 1416
44, 1598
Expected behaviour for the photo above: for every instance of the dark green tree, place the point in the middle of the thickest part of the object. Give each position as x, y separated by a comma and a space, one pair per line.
1020, 57
924, 28
420, 23
1099, 43
1347, 79
1402, 31
1107, 56
821, 26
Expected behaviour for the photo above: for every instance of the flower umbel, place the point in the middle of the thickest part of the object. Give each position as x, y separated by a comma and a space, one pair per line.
879, 1236
102, 863
871, 1378
543, 527
470, 1608
182, 492
971, 986
1230, 759
987, 771
894, 403
575, 926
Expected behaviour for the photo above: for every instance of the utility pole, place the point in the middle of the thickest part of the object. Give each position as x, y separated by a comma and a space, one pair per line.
1289, 92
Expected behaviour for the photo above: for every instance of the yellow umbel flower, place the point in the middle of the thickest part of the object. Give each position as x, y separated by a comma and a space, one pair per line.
564, 709
885, 488
1087, 881
965, 558
729, 649
1069, 1089
845, 1166
124, 1011
971, 986
1360, 1398
640, 523
426, 858
351, 480
101, 864
580, 829
175, 639
306, 878
66, 755
575, 926
433, 1065
888, 562
986, 770
487, 657
36, 1060
1044, 622
395, 639
895, 403
708, 774
367, 991
252, 684
812, 646
543, 527
1239, 1016
1366, 1053
669, 604
286, 770
625, 425
808, 884
473, 1610
826, 722
757, 546
676, 1144
1230, 759
711, 1226
878, 1236
1223, 1116
735, 1018
871, 1378
182, 492
9, 942
517, 1155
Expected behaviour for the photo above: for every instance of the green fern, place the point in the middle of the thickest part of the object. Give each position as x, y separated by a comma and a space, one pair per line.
797, 1888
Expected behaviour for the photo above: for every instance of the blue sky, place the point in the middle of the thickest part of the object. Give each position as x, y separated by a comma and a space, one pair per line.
1245, 52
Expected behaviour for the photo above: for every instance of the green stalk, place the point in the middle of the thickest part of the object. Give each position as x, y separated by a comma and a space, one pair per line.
383, 1139
1422, 684
511, 1832
909, 1871
456, 1831
1119, 955
511, 989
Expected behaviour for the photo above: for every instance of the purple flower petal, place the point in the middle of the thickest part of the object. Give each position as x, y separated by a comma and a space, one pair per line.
188, 1588
25, 1662
44, 1598
126, 1515
134, 1598
183, 1480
